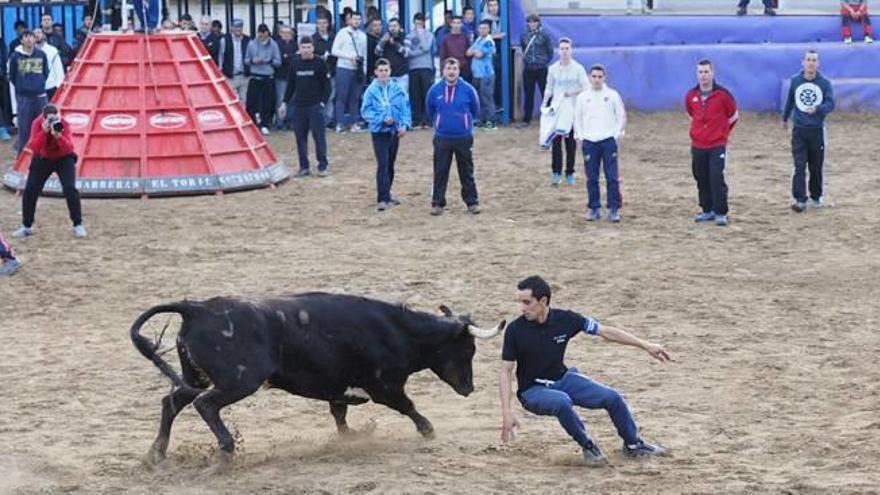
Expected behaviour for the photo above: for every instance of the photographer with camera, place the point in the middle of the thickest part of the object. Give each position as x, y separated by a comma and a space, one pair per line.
52, 147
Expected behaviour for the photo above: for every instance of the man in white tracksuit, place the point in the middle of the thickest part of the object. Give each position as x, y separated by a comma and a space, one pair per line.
599, 121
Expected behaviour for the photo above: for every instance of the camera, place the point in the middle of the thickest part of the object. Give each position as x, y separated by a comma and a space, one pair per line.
55, 122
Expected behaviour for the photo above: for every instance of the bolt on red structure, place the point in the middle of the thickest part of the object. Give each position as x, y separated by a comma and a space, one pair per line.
153, 115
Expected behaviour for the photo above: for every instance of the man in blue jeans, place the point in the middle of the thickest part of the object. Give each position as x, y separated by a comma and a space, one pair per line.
534, 345
386, 110
599, 120
308, 88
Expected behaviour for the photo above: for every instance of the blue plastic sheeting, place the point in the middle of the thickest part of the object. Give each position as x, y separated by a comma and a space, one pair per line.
589, 31
656, 78
850, 94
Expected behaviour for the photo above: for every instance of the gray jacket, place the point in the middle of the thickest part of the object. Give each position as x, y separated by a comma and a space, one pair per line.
537, 49
267, 52
420, 45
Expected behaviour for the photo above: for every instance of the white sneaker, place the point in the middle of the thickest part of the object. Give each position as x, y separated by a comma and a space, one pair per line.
817, 203
264, 130
23, 232
79, 231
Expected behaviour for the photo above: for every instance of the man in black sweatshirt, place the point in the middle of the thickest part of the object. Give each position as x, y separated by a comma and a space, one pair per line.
308, 88
28, 70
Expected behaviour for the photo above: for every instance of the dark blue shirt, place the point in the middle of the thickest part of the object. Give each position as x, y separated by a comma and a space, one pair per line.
539, 348
803, 94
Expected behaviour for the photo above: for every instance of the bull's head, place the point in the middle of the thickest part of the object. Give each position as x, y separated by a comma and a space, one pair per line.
453, 362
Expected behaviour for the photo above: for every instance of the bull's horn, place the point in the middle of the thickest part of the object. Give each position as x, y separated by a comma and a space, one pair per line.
445, 310
482, 333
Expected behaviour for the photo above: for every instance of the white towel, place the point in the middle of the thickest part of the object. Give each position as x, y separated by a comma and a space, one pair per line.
556, 120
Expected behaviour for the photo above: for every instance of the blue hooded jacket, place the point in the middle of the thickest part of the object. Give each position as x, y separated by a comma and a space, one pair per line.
452, 108
803, 94
381, 101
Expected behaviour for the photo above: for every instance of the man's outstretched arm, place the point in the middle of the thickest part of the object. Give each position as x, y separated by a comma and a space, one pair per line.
620, 336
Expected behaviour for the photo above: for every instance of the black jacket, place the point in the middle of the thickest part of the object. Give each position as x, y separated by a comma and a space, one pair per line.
396, 53
212, 44
229, 55
288, 50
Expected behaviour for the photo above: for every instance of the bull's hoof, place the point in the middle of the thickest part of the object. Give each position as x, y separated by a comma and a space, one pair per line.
428, 434
154, 457
222, 463
367, 430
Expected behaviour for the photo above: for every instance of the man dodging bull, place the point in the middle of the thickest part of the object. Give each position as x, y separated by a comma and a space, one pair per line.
342, 349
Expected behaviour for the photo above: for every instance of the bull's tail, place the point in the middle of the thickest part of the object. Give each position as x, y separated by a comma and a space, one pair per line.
148, 349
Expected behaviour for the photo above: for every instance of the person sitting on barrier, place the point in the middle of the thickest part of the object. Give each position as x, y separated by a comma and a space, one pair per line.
855, 10
52, 147
743, 4
9, 264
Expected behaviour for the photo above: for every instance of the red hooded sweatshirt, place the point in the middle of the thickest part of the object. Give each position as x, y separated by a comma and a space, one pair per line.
48, 147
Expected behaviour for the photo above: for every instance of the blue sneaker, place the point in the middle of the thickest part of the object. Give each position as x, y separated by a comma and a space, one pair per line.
642, 448
594, 215
593, 455
614, 216
556, 180
721, 220
569, 179
706, 216
9, 267
4, 134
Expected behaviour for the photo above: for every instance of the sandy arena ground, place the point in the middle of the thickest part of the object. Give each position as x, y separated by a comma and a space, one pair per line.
773, 323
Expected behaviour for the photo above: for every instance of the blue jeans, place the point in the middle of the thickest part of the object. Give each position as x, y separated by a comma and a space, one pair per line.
6, 252
348, 94
606, 152
574, 389
385, 146
152, 21
486, 89
305, 120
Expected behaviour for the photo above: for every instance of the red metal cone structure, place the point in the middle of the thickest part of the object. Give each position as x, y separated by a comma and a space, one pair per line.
153, 115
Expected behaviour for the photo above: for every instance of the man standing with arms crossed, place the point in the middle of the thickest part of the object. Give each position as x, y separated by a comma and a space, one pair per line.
452, 105
712, 111
534, 345
810, 98
599, 120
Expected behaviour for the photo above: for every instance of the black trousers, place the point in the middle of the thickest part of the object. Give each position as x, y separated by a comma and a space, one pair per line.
385, 146
420, 81
499, 94
261, 100
462, 149
531, 77
708, 168
39, 173
570, 153
808, 150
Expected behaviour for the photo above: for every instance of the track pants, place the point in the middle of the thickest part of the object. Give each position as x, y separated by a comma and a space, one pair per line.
305, 120
39, 173
808, 150
708, 168
444, 150
385, 147
604, 151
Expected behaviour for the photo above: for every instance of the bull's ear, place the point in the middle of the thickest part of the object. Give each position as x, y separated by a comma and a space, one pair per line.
445, 310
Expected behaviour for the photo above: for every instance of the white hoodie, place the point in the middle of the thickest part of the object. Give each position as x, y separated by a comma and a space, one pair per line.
599, 115
56, 68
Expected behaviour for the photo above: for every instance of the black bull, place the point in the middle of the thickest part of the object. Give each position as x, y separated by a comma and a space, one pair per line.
339, 348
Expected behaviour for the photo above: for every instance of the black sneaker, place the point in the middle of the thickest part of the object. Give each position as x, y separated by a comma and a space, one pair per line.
642, 448
593, 455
